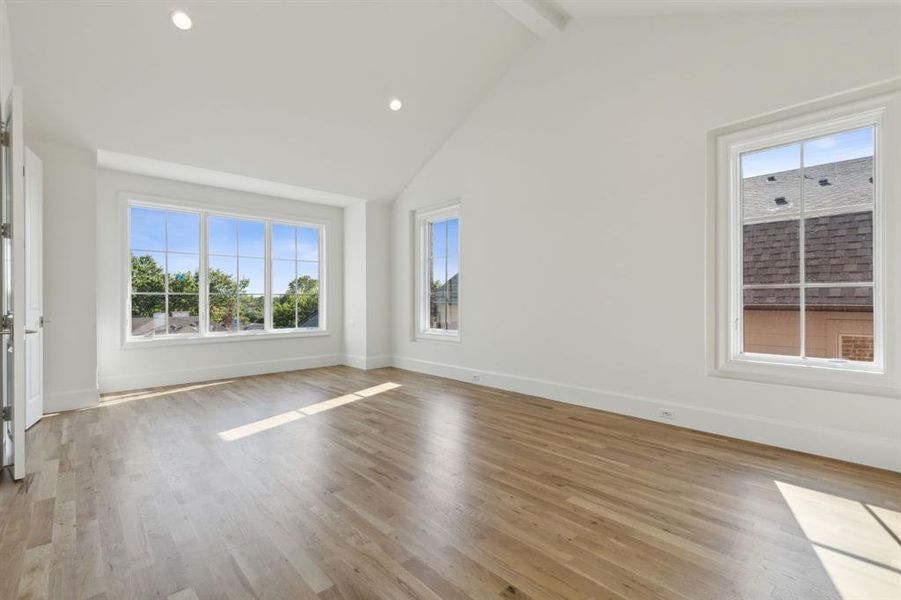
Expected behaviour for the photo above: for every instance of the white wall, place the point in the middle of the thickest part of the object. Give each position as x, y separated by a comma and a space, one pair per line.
367, 274
355, 284
131, 368
378, 288
70, 270
582, 180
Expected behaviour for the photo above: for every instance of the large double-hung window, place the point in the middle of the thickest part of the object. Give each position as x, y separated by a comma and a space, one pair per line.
201, 274
806, 272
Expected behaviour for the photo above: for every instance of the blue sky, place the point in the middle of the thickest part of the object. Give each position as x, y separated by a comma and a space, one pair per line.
445, 249
236, 247
834, 148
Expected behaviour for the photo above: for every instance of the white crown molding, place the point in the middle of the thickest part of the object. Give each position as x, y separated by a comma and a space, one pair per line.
140, 165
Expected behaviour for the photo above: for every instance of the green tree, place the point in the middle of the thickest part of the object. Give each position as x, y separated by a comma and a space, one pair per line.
229, 303
298, 306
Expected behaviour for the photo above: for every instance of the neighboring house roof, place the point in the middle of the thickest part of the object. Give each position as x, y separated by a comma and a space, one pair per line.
829, 188
449, 291
838, 232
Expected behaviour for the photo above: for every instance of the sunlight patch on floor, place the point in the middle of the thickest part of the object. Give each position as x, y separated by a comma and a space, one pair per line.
268, 423
110, 399
857, 544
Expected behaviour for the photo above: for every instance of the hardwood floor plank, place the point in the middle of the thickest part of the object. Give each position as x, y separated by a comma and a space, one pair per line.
342, 487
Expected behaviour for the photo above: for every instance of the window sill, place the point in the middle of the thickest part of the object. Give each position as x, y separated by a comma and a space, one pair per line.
818, 374
438, 335
191, 340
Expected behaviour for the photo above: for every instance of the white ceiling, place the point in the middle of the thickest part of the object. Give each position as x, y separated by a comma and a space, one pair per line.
288, 91
601, 8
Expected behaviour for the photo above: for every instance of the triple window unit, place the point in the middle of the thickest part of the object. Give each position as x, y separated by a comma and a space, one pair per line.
202, 274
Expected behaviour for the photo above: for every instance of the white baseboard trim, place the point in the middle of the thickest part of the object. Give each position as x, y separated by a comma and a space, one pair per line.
367, 362
137, 381
379, 362
882, 452
62, 401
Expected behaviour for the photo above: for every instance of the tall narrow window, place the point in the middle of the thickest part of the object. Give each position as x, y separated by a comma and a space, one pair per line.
236, 277
439, 273
165, 272
295, 277
807, 248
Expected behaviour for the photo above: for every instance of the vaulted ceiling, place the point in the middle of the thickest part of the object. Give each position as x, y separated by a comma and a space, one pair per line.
288, 91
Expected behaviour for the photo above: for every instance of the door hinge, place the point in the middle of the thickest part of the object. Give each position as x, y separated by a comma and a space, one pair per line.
6, 230
4, 136
6, 413
6, 324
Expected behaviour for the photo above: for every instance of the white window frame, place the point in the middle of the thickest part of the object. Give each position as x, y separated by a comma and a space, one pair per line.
422, 219
880, 107
204, 211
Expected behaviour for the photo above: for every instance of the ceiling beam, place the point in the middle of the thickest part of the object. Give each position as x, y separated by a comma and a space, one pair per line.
543, 17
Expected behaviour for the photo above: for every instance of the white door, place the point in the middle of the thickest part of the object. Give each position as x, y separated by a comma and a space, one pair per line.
34, 298
12, 285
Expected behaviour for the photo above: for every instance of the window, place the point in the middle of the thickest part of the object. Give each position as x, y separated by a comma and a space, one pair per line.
295, 277
438, 273
165, 267
807, 246
197, 274
802, 205
236, 274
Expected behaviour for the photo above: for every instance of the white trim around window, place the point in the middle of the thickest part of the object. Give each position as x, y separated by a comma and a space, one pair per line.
878, 107
423, 221
204, 335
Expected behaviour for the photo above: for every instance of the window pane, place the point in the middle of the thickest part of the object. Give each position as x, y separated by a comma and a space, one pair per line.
771, 195
772, 321
183, 272
250, 312
771, 252
284, 311
251, 239
223, 275
283, 241
223, 313
148, 315
438, 311
222, 236
148, 229
147, 272
453, 237
839, 248
838, 171
307, 278
438, 235
438, 274
283, 274
308, 310
184, 314
838, 201
307, 243
252, 272
183, 232
839, 323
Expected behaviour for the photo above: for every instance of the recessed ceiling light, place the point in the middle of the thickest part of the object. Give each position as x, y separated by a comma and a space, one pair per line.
181, 20
395, 105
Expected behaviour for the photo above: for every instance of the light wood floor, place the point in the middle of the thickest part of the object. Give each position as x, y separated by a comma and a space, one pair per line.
434, 489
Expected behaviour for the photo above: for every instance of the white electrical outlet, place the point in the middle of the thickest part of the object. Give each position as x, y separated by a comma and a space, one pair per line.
667, 413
